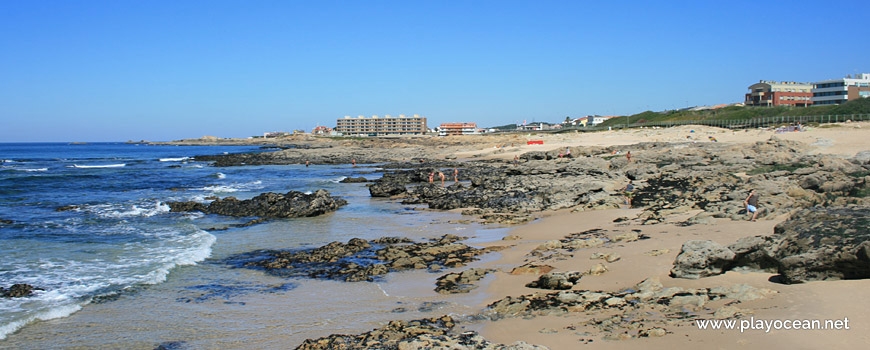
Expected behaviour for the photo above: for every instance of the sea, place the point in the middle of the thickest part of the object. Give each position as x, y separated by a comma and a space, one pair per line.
90, 226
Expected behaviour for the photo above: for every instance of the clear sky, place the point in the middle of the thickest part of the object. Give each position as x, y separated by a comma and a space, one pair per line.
160, 70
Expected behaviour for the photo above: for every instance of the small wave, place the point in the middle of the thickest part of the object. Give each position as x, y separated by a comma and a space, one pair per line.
113, 211
220, 175
233, 187
57, 312
96, 166
32, 170
338, 180
196, 166
174, 159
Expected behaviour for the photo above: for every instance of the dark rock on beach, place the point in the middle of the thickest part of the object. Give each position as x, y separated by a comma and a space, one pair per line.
430, 333
354, 180
19, 290
460, 282
270, 205
815, 244
6, 222
361, 260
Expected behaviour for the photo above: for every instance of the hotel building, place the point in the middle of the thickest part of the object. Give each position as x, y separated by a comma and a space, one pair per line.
382, 126
771, 93
837, 91
449, 129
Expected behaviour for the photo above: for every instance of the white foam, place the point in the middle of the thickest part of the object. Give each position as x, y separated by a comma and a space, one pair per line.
31, 170
112, 211
338, 180
221, 176
229, 188
52, 313
181, 159
96, 166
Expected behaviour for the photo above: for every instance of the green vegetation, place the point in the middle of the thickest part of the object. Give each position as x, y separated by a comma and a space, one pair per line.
859, 106
777, 167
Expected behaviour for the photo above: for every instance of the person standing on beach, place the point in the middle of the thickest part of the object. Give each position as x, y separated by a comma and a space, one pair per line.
516, 160
751, 204
441, 175
628, 156
431, 177
455, 175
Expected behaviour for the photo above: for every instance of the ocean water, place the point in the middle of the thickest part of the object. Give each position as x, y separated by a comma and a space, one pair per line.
120, 271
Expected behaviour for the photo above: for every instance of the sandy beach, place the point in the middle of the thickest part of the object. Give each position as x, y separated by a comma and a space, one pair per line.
820, 300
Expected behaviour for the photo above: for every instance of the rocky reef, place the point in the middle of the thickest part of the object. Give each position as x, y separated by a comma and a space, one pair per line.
646, 310
815, 244
361, 260
18, 290
430, 333
268, 205
668, 177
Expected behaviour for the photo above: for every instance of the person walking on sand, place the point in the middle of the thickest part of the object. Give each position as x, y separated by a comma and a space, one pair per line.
628, 156
627, 192
431, 177
455, 175
441, 175
751, 204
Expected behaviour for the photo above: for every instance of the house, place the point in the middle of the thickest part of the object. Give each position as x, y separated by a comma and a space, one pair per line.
772, 93
837, 91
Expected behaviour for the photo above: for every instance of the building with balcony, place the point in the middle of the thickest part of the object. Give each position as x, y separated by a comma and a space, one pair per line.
450, 129
837, 91
382, 126
772, 93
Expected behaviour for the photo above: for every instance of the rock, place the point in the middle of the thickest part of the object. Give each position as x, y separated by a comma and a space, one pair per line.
18, 290
653, 333
609, 257
824, 244
353, 180
657, 252
556, 280
425, 334
727, 312
386, 189
68, 208
460, 282
701, 259
597, 270
360, 260
6, 222
531, 269
270, 205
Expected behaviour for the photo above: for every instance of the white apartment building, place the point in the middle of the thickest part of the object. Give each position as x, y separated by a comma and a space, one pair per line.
837, 91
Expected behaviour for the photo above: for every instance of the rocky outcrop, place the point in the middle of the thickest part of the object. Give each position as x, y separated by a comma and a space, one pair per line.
824, 244
361, 260
353, 180
643, 311
430, 333
19, 290
270, 205
556, 280
815, 244
460, 282
6, 222
384, 188
701, 259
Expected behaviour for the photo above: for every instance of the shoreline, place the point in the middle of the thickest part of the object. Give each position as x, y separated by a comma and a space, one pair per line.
659, 226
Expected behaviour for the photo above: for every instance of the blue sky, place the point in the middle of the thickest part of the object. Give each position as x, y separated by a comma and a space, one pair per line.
162, 70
